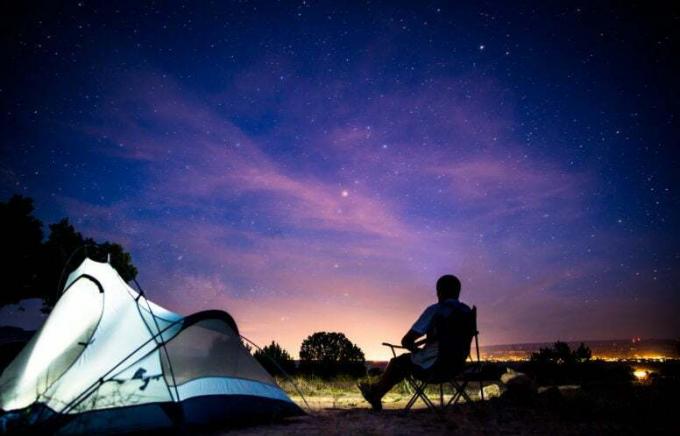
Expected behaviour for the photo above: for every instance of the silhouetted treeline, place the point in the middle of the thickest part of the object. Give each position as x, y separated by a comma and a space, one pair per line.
275, 359
560, 353
558, 365
35, 267
323, 354
329, 354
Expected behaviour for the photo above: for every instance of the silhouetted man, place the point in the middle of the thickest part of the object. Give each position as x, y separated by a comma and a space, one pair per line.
419, 359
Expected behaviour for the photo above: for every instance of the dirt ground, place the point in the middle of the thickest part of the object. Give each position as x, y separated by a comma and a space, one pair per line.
611, 411
459, 420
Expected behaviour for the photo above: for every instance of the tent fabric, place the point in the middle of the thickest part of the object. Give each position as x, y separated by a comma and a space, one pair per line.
107, 358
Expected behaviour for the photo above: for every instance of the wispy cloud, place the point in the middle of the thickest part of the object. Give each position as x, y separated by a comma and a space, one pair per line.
356, 230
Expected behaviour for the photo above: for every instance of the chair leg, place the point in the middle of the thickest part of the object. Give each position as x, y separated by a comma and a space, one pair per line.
481, 386
454, 399
459, 392
423, 396
441, 395
416, 393
411, 402
466, 396
419, 389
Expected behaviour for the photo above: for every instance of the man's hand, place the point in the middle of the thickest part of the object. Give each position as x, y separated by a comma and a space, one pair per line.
409, 340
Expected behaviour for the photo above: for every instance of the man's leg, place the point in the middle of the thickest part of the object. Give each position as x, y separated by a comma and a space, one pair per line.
397, 369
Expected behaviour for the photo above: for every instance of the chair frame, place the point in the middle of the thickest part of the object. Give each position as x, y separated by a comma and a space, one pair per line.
458, 382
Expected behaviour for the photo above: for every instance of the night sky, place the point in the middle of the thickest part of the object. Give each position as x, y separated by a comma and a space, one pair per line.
309, 166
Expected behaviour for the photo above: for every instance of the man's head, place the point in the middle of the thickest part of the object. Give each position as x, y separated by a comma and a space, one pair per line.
448, 286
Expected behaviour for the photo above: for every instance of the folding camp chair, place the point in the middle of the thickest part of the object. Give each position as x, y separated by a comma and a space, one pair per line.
458, 376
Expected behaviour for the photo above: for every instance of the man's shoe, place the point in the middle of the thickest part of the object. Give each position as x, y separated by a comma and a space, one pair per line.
369, 396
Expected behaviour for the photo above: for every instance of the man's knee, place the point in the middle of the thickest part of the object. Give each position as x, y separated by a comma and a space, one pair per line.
402, 362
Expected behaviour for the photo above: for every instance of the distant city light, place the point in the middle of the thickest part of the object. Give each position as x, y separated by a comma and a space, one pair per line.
641, 374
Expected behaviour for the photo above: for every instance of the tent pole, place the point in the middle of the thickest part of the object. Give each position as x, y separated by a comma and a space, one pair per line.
89, 390
290, 379
162, 342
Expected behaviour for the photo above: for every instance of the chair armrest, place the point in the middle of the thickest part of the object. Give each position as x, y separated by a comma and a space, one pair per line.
417, 344
393, 347
387, 344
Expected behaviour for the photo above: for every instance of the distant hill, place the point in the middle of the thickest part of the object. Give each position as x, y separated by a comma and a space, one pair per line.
614, 349
602, 349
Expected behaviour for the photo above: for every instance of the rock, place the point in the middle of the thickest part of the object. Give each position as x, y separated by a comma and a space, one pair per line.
492, 391
518, 384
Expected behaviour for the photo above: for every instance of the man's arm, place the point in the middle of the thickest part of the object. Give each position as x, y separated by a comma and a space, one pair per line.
409, 340
420, 328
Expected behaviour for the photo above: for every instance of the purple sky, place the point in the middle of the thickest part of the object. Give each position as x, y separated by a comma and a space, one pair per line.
323, 176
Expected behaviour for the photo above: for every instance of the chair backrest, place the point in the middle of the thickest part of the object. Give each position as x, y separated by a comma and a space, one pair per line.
455, 330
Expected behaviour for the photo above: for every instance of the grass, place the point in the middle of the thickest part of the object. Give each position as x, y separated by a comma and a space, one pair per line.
342, 392
605, 408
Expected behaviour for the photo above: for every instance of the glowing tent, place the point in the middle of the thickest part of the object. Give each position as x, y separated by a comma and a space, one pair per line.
107, 359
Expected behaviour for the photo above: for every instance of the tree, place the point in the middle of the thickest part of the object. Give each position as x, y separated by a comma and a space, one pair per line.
561, 354
329, 354
334, 347
21, 235
247, 346
560, 365
32, 268
275, 359
56, 260
583, 353
66, 248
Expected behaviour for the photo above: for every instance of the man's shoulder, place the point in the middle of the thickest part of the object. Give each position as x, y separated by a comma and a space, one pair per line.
423, 323
433, 306
464, 306
457, 305
431, 309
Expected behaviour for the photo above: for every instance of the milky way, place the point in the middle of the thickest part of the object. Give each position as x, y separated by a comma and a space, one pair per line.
313, 167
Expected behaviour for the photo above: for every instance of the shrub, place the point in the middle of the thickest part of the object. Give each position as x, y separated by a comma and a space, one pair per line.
560, 365
329, 354
275, 359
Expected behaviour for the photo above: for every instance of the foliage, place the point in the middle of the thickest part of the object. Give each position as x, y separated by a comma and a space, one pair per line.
275, 359
561, 354
583, 353
560, 365
328, 354
21, 235
247, 346
36, 269
324, 346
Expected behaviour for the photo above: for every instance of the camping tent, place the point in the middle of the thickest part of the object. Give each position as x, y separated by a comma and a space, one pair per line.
107, 359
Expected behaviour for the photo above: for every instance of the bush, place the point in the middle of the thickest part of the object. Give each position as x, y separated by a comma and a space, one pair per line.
275, 359
560, 365
561, 354
330, 354
33, 268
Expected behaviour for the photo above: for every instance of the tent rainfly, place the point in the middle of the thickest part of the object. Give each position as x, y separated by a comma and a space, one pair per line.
109, 360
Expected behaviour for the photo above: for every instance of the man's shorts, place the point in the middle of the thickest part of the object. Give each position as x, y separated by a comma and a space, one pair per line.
425, 357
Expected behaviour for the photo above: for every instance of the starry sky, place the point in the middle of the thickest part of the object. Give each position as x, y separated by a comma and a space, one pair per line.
314, 166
